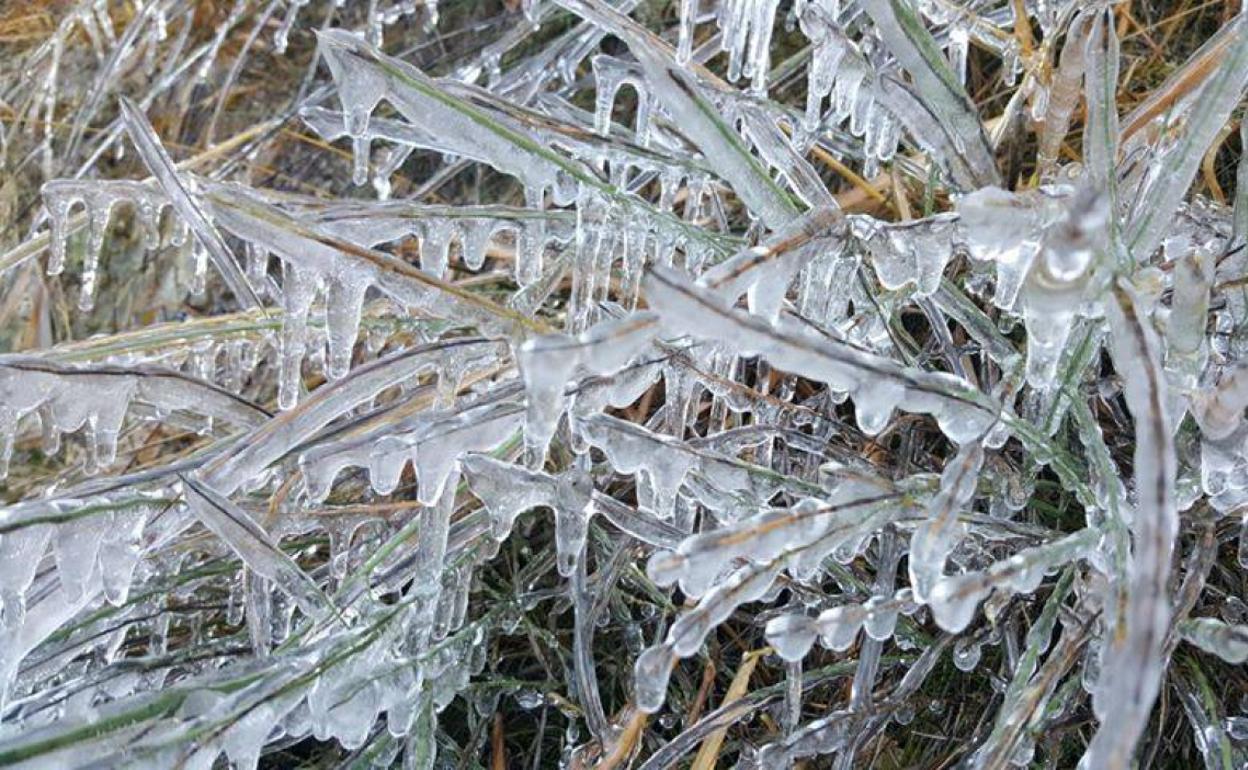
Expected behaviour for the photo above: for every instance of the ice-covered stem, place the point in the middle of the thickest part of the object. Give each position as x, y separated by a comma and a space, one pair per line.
743, 584
313, 256
254, 220
955, 304
248, 459
54, 239
1233, 269
425, 567
936, 537
903, 32
433, 441
1219, 410
1106, 511
365, 77
831, 734
1208, 719
764, 272
878, 385
687, 103
548, 362
192, 721
1016, 709
1133, 666
1189, 314
661, 465
583, 634
1034, 704
955, 598
701, 558
68, 397
166, 175
1064, 92
1218, 97
1228, 641
640, 525
837, 628
879, 625
1100, 136
1239, 214
254, 546
454, 119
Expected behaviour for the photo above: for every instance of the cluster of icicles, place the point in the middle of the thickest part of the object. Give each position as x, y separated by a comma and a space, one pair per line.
708, 468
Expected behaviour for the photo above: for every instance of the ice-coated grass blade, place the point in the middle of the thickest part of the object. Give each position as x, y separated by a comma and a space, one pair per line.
166, 175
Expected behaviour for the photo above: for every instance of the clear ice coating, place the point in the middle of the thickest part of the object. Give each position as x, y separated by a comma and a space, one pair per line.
572, 357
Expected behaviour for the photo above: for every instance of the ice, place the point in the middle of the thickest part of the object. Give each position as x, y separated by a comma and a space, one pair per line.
830, 45
1174, 170
1134, 666
98, 200
686, 102
1228, 642
687, 633
939, 534
549, 362
1053, 294
792, 635
262, 555
768, 535
611, 74
1188, 318
954, 598
1006, 228
21, 552
764, 272
96, 398
432, 442
912, 253
687, 309
650, 677
648, 332
659, 463
1220, 409
183, 200
967, 654
508, 490
939, 90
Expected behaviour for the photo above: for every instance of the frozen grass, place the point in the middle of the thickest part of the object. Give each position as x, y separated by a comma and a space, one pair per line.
585, 383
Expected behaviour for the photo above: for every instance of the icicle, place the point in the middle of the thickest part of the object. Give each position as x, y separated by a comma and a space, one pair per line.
878, 384
660, 466
935, 538
1054, 290
548, 363
99, 198
298, 290
909, 253
21, 552
829, 46
611, 74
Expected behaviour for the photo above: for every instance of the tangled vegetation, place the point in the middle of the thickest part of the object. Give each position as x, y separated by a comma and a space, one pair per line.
623, 383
